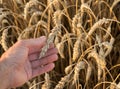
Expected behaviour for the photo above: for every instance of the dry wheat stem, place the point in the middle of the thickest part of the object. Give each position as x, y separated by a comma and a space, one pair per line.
105, 82
114, 4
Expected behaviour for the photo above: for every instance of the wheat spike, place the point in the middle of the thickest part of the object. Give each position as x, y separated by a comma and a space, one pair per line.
89, 72
24, 35
57, 17
47, 83
32, 6
100, 62
85, 7
76, 49
75, 21
50, 39
62, 82
4, 39
96, 25
80, 65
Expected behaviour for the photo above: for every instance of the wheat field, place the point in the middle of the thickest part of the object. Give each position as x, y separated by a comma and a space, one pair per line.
85, 32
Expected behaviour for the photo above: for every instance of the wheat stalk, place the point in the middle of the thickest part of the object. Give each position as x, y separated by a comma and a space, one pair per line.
114, 4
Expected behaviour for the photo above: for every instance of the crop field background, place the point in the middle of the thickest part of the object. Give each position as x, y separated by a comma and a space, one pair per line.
85, 32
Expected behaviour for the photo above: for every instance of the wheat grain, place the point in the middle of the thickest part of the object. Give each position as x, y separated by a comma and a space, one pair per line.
57, 40
68, 69
60, 47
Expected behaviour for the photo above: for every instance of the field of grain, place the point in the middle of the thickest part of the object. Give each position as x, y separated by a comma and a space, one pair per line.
85, 32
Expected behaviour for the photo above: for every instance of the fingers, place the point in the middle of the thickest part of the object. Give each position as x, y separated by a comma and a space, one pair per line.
44, 61
35, 56
41, 70
34, 45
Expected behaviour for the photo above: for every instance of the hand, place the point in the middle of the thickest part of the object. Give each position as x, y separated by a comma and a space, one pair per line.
20, 63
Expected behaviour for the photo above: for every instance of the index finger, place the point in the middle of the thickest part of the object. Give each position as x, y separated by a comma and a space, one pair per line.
34, 45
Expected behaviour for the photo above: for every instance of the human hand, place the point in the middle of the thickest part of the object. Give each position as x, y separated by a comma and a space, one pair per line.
20, 63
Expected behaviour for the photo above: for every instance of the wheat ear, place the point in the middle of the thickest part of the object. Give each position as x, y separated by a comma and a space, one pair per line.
57, 17
47, 83
62, 82
4, 39
96, 25
80, 65
50, 39
100, 62
76, 50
